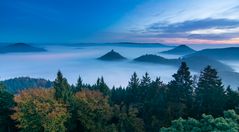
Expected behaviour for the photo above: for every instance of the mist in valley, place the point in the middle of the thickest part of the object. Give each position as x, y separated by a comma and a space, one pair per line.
79, 60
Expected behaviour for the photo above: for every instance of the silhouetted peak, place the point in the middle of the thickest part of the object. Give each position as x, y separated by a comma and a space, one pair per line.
181, 50
112, 55
20, 45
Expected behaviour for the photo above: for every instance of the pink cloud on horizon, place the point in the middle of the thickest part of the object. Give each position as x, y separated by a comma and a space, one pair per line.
198, 41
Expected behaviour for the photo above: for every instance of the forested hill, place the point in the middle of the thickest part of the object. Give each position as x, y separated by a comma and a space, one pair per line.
196, 63
18, 84
231, 53
20, 48
184, 104
180, 50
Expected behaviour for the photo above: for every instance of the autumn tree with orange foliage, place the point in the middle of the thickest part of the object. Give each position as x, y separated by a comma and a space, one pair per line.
37, 110
93, 111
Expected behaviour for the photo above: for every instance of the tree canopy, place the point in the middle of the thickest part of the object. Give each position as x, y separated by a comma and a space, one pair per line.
183, 104
37, 110
228, 123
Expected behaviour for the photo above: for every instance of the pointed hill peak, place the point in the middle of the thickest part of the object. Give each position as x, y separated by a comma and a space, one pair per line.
112, 55
180, 50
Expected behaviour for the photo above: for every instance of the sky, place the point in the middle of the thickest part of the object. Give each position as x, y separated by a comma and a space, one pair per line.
149, 21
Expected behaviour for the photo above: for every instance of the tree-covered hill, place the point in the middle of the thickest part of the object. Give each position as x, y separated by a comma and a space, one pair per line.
21, 83
20, 48
196, 63
184, 104
180, 50
231, 53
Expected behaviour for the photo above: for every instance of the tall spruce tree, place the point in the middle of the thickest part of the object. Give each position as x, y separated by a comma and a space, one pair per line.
62, 89
145, 81
102, 87
132, 89
180, 93
210, 94
79, 85
144, 87
134, 81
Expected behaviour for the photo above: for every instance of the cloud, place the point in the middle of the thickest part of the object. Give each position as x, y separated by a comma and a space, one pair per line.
193, 25
209, 29
232, 10
209, 36
215, 31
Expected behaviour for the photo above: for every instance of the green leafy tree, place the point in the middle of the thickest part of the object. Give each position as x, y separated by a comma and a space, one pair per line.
180, 93
37, 110
181, 125
228, 123
210, 94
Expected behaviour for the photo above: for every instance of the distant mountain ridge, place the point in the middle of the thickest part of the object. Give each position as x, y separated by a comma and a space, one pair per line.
20, 47
112, 56
195, 62
15, 85
143, 44
122, 44
231, 53
180, 50
150, 58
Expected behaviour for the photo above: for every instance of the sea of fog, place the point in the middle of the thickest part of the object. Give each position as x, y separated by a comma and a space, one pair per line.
81, 60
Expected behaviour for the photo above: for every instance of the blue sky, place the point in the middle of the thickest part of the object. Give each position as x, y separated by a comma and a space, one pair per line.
164, 21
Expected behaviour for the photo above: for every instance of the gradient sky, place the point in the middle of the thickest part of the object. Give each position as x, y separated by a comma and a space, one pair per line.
163, 21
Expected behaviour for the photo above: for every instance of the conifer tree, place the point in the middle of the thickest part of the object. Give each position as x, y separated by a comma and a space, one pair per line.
134, 81
180, 92
145, 82
102, 87
62, 88
117, 95
144, 87
210, 94
132, 89
79, 85
155, 104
